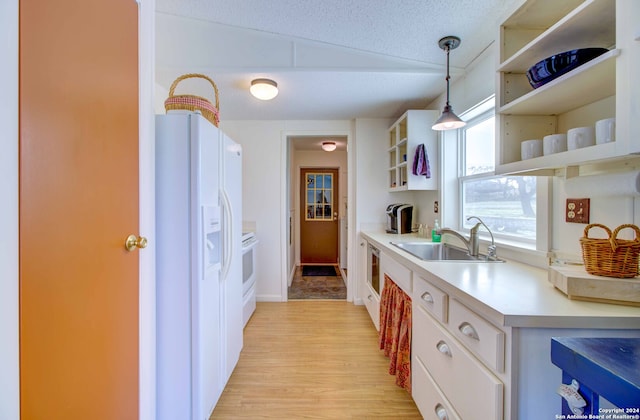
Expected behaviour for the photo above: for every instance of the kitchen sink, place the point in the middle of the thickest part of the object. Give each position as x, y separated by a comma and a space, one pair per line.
429, 251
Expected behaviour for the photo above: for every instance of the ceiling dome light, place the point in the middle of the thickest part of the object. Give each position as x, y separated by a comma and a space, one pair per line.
448, 120
328, 146
264, 89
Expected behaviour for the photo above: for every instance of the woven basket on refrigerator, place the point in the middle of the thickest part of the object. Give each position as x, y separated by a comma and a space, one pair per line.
611, 257
192, 102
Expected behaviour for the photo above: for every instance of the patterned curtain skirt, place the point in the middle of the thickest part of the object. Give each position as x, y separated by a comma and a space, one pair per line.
395, 331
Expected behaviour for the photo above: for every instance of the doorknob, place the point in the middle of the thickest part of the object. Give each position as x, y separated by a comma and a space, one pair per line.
132, 242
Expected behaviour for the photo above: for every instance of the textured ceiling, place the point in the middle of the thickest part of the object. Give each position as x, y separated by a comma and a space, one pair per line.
332, 59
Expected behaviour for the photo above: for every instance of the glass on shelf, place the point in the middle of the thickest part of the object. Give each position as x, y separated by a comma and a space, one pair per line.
402, 152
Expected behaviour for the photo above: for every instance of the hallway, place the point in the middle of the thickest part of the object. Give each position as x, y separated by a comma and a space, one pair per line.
312, 359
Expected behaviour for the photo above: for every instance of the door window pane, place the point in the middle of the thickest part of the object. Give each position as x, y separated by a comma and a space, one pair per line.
319, 193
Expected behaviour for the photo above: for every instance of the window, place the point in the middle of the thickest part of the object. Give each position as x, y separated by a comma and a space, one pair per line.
506, 204
319, 193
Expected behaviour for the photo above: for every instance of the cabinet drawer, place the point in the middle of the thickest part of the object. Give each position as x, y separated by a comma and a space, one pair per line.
470, 387
481, 337
400, 274
427, 396
434, 300
372, 302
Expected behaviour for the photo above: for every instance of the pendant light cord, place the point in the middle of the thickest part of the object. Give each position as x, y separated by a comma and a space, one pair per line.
448, 76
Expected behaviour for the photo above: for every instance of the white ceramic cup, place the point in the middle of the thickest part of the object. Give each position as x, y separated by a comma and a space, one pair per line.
554, 143
605, 130
580, 137
531, 149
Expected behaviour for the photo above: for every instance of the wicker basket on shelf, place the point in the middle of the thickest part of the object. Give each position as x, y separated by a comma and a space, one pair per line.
611, 257
192, 102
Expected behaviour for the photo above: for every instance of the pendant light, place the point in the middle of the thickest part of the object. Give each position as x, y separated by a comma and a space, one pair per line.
264, 89
448, 120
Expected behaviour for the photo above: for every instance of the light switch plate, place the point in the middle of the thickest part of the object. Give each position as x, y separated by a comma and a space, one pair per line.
577, 210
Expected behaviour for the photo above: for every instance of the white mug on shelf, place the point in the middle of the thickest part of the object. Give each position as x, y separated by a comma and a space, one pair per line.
554, 143
605, 130
531, 149
580, 137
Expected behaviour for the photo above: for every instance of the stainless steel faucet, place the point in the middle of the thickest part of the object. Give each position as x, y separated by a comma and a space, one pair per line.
467, 242
492, 250
472, 243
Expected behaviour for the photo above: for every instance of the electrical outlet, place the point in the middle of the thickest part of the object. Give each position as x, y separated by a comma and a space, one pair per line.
435, 207
577, 210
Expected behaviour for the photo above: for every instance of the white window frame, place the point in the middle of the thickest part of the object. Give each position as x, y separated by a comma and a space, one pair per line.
519, 249
463, 178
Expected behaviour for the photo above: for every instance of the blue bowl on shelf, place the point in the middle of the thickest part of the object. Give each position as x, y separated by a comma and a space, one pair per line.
555, 66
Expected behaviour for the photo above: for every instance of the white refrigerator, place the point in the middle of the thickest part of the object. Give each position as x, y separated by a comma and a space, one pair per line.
199, 264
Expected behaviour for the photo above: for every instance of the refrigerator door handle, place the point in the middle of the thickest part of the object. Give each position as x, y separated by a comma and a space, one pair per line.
226, 234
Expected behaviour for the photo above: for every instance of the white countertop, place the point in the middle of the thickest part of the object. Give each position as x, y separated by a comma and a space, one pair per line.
510, 293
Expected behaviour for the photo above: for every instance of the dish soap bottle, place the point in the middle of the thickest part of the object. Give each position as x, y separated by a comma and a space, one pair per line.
435, 237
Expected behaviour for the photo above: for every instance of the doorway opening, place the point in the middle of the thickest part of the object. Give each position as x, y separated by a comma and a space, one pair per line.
317, 205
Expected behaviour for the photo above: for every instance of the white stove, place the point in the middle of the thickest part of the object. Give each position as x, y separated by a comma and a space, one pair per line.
248, 239
249, 242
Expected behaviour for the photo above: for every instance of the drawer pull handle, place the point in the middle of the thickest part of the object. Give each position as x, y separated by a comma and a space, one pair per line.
441, 412
468, 330
370, 297
444, 348
426, 296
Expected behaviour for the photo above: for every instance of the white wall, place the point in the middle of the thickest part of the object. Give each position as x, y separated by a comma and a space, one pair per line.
9, 339
265, 193
609, 211
372, 197
370, 166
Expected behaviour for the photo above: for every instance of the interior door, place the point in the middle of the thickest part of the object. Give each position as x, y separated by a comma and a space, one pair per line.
319, 216
78, 202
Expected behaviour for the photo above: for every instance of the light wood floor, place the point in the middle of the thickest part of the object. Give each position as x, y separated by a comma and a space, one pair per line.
312, 360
